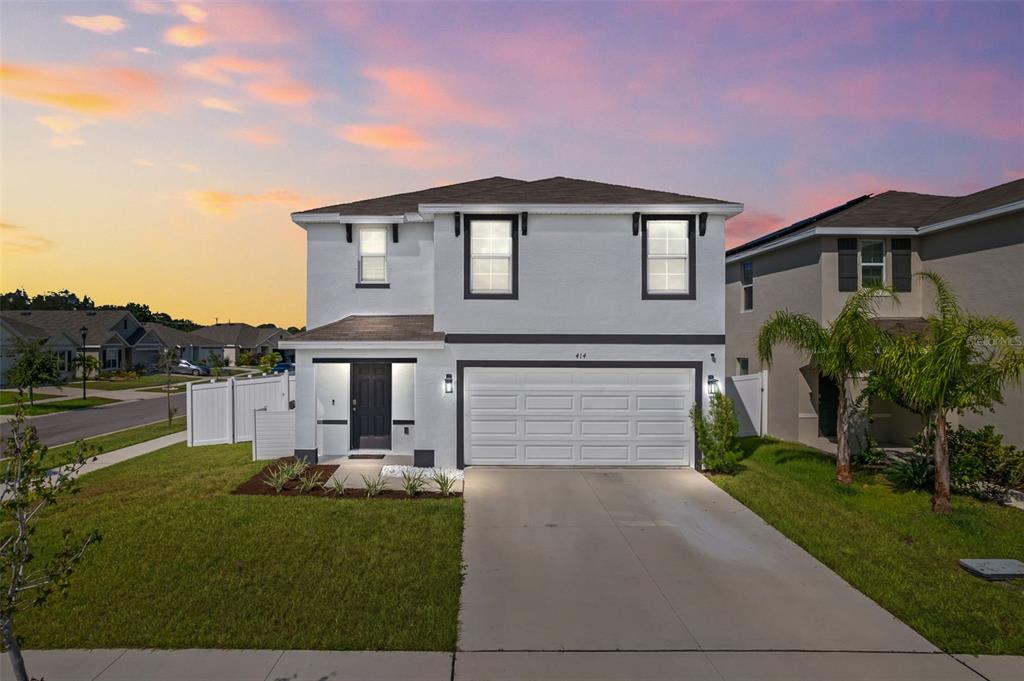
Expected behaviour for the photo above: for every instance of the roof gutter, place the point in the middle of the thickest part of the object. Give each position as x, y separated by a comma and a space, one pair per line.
361, 345
972, 217
428, 210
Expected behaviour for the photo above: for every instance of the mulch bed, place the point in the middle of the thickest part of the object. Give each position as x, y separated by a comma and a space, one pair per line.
256, 485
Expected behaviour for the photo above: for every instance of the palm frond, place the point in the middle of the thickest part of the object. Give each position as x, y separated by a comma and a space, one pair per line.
797, 330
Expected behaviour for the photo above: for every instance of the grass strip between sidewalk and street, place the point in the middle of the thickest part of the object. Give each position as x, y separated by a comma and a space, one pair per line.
73, 404
889, 545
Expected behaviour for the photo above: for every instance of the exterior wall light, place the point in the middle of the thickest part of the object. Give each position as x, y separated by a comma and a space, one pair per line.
448, 387
712, 385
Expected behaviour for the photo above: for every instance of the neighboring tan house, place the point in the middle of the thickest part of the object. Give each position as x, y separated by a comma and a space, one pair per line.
191, 345
976, 242
239, 338
558, 322
110, 335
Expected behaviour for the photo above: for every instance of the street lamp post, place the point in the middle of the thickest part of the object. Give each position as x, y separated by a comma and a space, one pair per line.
85, 370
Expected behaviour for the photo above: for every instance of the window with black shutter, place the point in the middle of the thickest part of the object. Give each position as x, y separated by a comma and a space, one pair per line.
901, 274
848, 279
748, 285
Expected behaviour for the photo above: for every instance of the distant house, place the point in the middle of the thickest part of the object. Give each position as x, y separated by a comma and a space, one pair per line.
193, 346
239, 338
110, 336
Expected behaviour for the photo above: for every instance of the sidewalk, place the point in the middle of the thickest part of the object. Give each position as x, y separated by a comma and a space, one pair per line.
130, 452
694, 665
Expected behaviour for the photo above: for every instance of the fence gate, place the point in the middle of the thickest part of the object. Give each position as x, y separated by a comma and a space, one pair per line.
221, 412
749, 395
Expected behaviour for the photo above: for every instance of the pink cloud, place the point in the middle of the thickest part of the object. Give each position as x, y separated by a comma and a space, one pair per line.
104, 24
983, 105
221, 68
100, 91
261, 137
187, 35
227, 204
254, 24
751, 224
425, 97
282, 90
391, 137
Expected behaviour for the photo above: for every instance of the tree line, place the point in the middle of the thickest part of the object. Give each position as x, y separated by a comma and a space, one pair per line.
19, 299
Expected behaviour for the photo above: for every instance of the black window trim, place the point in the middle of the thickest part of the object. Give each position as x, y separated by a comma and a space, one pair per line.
691, 257
744, 285
467, 223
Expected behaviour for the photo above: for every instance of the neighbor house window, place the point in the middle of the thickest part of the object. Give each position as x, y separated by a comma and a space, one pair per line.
373, 252
742, 366
872, 262
65, 359
748, 285
668, 271
491, 251
111, 359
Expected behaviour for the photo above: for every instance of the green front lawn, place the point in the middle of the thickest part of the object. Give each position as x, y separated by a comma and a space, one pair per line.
889, 545
148, 381
11, 396
185, 564
61, 405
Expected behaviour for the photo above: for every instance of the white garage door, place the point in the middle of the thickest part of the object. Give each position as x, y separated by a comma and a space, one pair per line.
578, 416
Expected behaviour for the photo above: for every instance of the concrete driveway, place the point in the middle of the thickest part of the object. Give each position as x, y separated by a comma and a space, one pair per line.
647, 560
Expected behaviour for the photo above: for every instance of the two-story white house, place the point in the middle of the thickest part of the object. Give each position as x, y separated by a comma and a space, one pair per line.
502, 322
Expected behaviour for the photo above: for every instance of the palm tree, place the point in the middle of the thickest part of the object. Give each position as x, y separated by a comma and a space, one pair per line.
842, 351
88, 365
961, 363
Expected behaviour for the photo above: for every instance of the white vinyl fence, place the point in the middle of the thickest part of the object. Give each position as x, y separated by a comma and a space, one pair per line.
222, 412
275, 434
749, 395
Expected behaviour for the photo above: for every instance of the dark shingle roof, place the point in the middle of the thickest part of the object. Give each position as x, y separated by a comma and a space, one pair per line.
506, 190
889, 209
99, 324
242, 335
571, 190
406, 327
898, 209
170, 336
409, 202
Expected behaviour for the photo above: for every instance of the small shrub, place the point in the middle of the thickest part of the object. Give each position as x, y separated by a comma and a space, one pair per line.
294, 469
413, 483
336, 486
445, 482
310, 481
277, 478
374, 486
914, 472
716, 435
870, 455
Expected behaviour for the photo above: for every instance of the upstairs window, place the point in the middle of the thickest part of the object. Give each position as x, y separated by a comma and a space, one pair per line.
373, 252
742, 366
872, 262
748, 286
491, 252
667, 252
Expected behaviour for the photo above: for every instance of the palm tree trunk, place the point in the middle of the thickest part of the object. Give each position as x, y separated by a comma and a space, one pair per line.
941, 498
14, 651
843, 472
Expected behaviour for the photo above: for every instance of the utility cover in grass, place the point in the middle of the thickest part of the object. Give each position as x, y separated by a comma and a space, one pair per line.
993, 568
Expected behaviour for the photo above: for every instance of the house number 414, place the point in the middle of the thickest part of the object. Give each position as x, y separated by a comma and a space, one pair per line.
581, 355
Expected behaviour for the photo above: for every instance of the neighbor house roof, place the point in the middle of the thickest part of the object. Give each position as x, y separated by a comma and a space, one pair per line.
409, 202
241, 335
552, 190
898, 209
99, 324
169, 336
406, 327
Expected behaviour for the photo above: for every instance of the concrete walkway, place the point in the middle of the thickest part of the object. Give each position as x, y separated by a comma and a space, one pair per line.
311, 665
132, 451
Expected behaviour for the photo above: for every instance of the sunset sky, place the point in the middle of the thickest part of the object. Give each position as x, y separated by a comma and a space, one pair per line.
153, 151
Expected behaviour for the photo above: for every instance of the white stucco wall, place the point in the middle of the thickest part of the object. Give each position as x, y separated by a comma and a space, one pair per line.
579, 274
332, 270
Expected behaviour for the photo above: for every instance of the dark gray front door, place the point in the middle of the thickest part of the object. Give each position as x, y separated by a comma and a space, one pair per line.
371, 406
828, 406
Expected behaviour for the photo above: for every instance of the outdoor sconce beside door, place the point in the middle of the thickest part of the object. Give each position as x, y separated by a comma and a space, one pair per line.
448, 384
712, 385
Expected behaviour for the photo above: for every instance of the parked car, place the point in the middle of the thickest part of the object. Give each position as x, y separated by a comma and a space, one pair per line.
186, 367
282, 367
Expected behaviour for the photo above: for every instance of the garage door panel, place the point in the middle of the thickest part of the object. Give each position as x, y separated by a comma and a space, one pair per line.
546, 452
604, 427
605, 454
578, 416
560, 427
